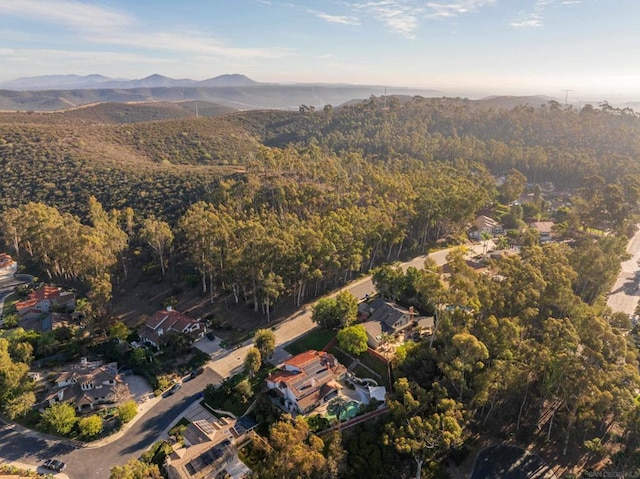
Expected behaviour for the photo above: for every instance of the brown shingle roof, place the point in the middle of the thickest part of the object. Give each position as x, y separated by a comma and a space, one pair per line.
169, 320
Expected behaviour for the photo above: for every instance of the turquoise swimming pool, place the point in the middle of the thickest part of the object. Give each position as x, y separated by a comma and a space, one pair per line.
346, 411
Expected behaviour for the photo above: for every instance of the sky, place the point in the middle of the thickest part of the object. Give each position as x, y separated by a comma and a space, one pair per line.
460, 47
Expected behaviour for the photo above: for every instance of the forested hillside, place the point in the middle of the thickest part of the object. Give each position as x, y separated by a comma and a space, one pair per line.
549, 143
261, 206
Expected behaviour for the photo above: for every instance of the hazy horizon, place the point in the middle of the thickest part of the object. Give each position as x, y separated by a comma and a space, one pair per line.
462, 47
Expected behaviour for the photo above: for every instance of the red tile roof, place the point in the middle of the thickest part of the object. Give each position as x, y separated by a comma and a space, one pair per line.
37, 296
5, 260
281, 375
317, 369
303, 358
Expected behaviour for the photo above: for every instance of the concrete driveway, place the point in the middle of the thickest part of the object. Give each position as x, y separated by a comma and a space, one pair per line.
139, 387
212, 348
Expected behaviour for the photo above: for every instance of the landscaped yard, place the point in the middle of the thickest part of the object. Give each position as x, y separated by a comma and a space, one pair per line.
236, 393
316, 339
363, 373
376, 365
342, 357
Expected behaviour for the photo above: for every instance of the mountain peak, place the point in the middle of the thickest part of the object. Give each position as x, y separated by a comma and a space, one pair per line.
233, 79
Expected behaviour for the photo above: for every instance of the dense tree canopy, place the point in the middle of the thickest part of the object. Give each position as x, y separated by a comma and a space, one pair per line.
270, 205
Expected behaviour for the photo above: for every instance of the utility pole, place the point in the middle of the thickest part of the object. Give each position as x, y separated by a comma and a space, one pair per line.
566, 96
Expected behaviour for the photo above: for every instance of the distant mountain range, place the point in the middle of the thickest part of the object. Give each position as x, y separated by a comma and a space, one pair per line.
60, 92
92, 82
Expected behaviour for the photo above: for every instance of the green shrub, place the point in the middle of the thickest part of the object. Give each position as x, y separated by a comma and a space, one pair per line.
127, 411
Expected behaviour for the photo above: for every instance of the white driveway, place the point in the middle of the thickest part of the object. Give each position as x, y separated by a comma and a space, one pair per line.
139, 388
212, 348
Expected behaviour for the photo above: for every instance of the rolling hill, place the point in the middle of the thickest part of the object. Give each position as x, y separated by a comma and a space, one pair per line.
233, 91
91, 82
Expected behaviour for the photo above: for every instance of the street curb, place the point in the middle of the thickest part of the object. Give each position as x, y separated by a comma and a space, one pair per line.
142, 411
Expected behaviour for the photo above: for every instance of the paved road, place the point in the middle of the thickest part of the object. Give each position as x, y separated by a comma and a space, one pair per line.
625, 293
300, 322
7, 285
32, 448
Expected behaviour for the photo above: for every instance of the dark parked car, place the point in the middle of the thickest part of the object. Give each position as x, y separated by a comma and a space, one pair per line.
55, 465
193, 374
211, 336
173, 390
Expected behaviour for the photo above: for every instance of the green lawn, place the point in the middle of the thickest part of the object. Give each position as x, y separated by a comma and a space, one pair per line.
376, 365
316, 339
343, 358
362, 373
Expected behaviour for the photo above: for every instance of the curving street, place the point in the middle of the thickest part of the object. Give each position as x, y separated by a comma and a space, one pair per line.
29, 447
626, 291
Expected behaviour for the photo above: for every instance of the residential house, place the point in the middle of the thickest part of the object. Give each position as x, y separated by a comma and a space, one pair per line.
307, 380
43, 300
8, 266
394, 320
484, 224
88, 385
374, 333
167, 321
424, 325
209, 449
544, 229
393, 317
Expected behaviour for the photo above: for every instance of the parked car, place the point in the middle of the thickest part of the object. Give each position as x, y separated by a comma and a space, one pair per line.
211, 336
176, 387
193, 374
55, 465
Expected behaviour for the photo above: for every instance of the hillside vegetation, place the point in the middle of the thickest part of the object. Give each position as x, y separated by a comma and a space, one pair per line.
261, 206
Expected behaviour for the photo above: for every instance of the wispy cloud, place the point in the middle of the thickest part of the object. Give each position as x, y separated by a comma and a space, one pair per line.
531, 21
454, 9
534, 18
403, 16
342, 19
194, 43
69, 13
400, 16
103, 26
27, 55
